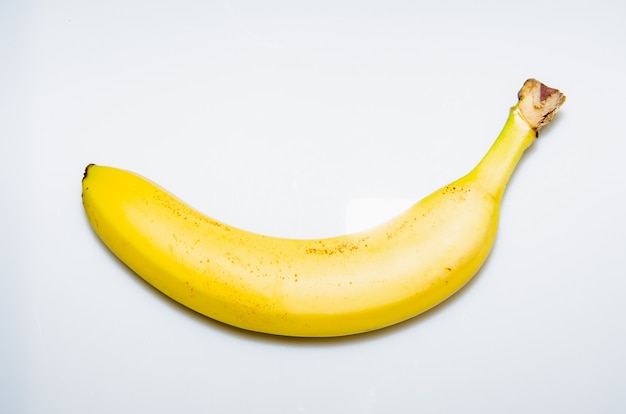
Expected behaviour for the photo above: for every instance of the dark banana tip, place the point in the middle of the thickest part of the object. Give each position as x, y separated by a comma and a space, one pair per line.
87, 170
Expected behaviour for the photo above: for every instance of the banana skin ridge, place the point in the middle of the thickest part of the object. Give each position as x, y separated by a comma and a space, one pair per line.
313, 288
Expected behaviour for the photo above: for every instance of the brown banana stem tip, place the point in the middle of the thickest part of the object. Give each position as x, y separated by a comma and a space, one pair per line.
538, 103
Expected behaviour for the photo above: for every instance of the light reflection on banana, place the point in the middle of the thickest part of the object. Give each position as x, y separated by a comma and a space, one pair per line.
326, 287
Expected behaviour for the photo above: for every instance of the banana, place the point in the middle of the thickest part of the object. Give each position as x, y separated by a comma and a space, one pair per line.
315, 288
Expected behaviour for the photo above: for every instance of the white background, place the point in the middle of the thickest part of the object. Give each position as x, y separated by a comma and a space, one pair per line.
276, 116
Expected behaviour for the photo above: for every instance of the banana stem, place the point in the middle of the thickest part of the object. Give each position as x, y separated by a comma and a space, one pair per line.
495, 169
536, 107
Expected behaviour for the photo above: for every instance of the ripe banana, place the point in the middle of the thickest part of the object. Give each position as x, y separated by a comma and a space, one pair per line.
326, 287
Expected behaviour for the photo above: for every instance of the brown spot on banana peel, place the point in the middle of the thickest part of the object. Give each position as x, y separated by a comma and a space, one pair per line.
330, 250
538, 103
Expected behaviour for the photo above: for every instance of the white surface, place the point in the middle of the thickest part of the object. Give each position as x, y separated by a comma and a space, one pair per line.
275, 116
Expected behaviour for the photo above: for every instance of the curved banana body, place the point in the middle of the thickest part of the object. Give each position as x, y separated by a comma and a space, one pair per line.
325, 287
